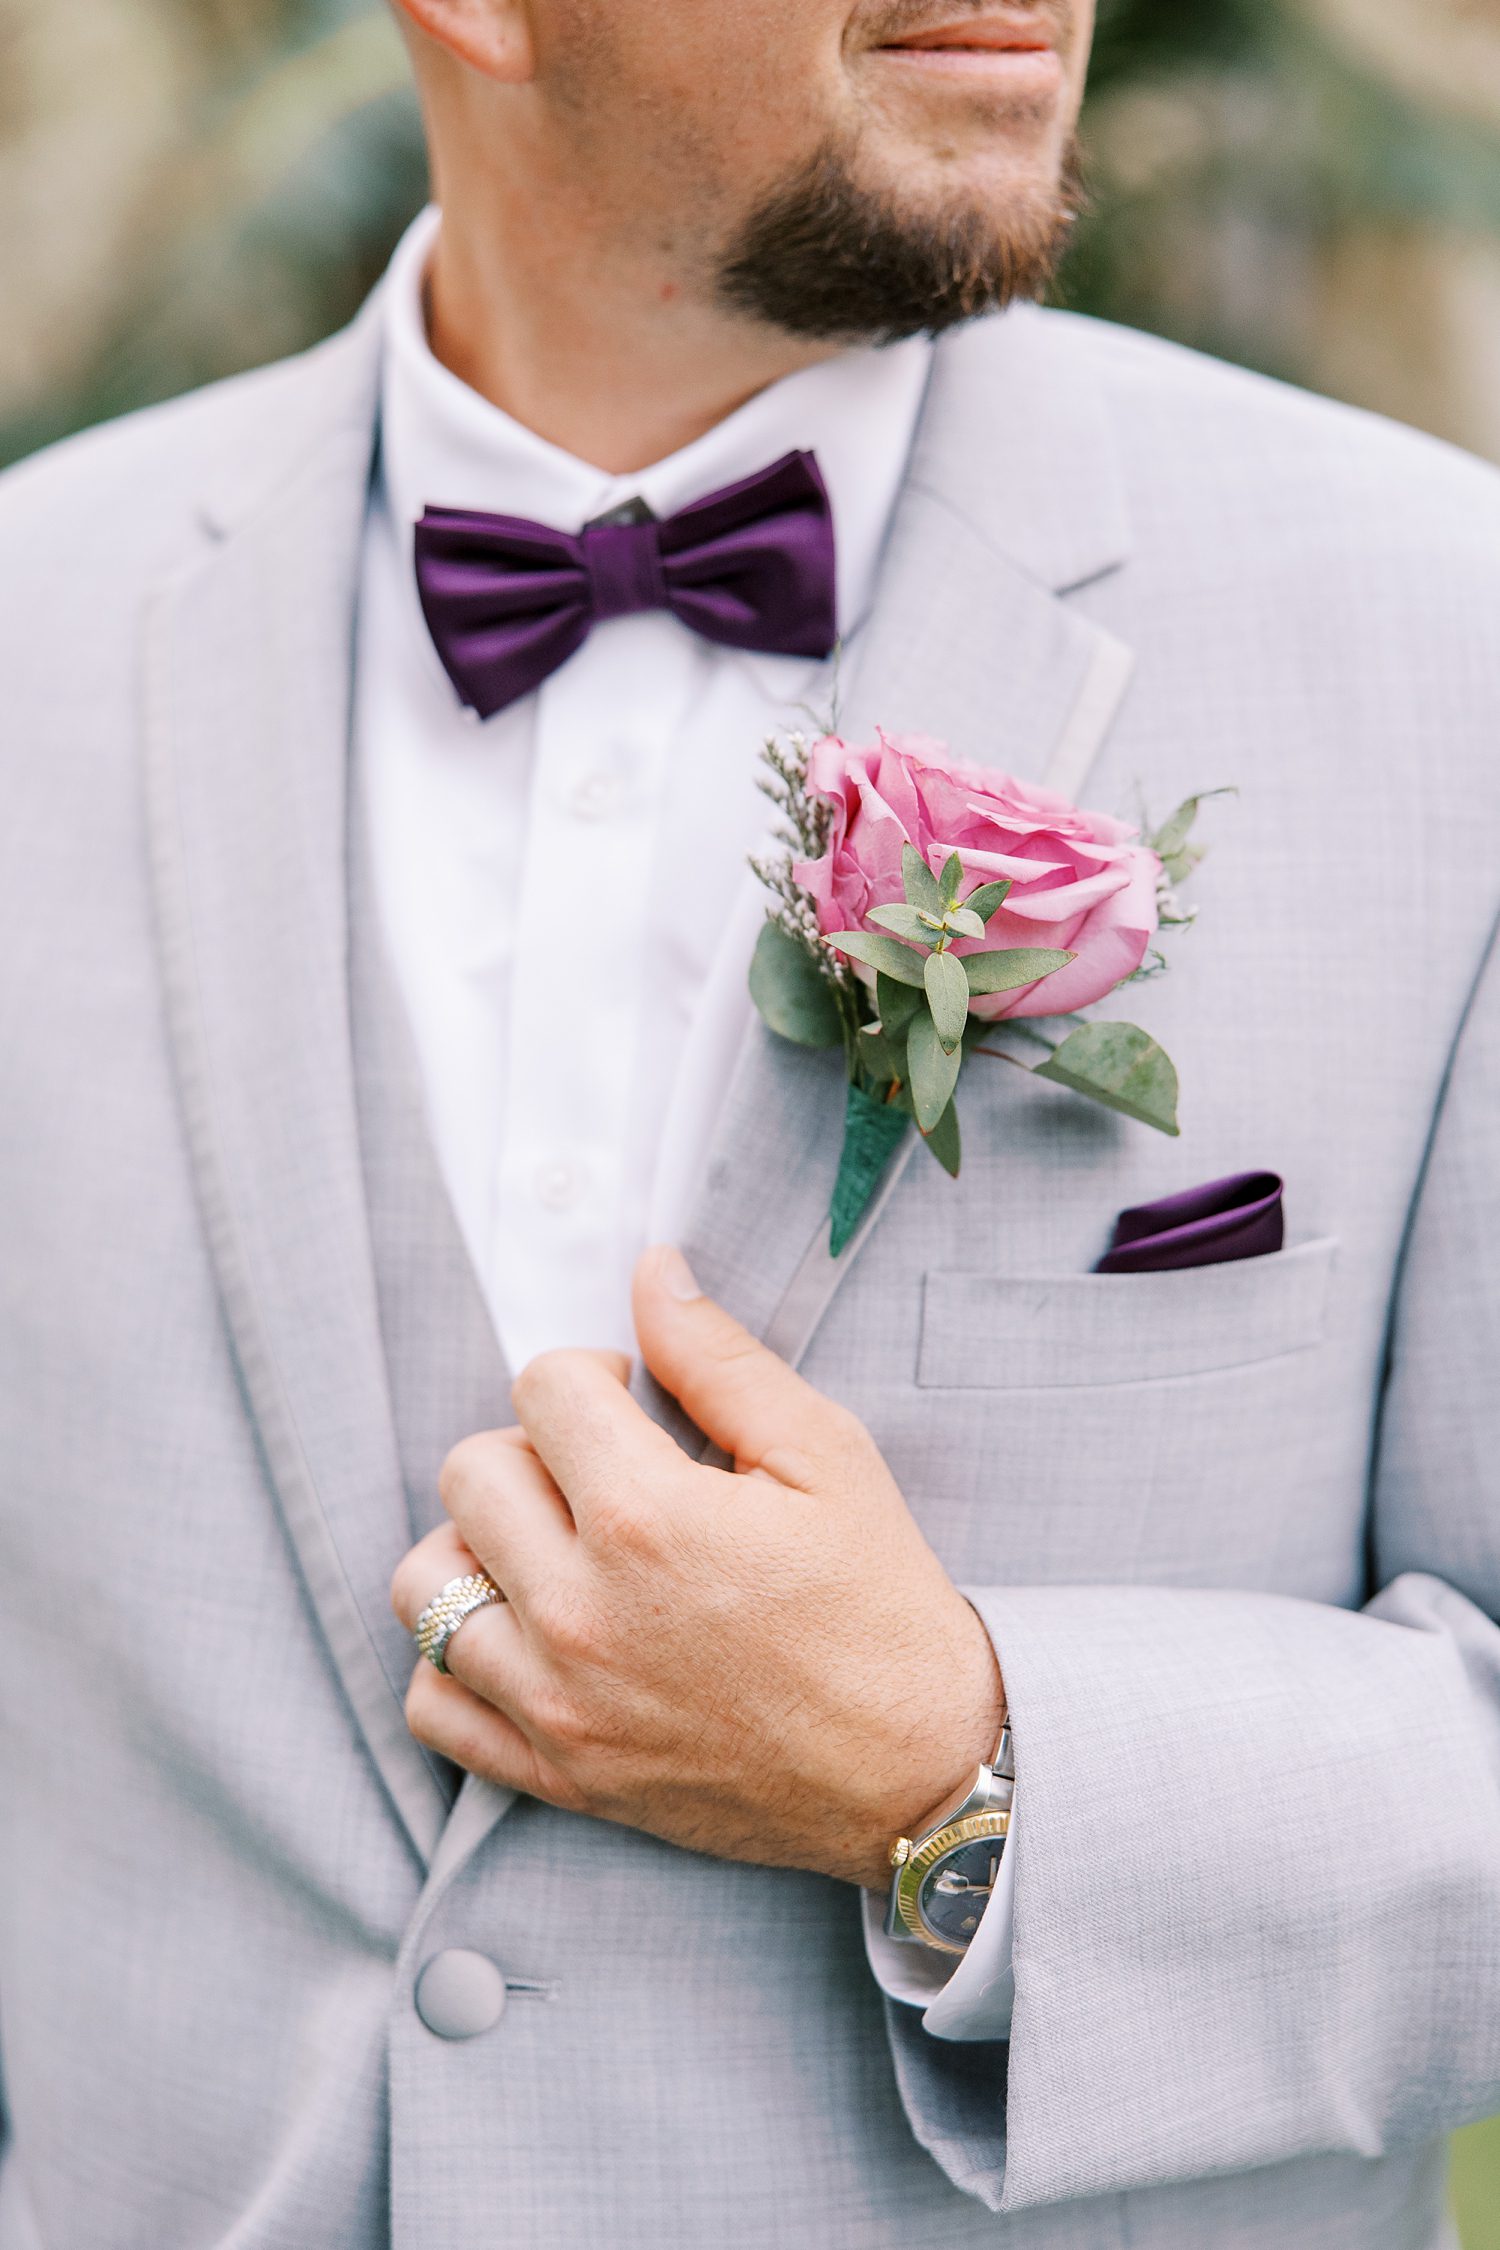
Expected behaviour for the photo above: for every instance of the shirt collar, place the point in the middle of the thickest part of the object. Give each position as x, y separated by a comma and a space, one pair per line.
442, 445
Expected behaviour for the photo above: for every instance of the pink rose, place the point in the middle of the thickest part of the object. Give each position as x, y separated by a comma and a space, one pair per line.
1083, 883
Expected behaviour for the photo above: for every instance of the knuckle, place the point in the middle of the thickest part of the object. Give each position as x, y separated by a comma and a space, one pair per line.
837, 1436
568, 1796
466, 1467
527, 1387
406, 1586
564, 1726
737, 1353
446, 1724
628, 1523
568, 1626
846, 1431
554, 1779
424, 1568
559, 1721
419, 1700
543, 1377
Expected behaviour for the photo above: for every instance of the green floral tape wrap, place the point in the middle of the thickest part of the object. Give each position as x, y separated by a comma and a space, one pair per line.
873, 1131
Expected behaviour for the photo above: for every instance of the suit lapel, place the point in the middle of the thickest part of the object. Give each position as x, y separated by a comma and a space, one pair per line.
1012, 503
249, 665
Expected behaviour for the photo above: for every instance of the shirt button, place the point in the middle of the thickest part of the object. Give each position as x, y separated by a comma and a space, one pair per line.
596, 797
460, 1994
558, 1186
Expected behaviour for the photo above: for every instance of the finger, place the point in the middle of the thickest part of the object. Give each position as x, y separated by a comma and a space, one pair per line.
481, 1648
616, 1364
489, 1655
508, 1510
740, 1394
488, 1651
424, 1570
598, 1444
451, 1719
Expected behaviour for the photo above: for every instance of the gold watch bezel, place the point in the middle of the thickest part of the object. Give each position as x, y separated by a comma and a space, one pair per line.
924, 1857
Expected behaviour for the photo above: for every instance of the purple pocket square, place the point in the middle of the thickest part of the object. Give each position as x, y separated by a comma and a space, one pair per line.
1205, 1226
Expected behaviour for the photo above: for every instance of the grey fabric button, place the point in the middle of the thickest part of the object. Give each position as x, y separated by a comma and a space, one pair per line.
460, 1994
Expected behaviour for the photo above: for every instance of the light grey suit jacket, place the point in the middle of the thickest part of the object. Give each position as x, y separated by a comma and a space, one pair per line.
1236, 1532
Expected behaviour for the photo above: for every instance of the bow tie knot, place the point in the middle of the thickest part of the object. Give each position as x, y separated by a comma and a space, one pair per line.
507, 601
624, 565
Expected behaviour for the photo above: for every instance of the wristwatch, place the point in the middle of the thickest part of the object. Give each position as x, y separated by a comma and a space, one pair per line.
945, 1876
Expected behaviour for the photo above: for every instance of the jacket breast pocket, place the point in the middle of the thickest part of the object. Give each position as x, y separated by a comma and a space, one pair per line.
997, 1332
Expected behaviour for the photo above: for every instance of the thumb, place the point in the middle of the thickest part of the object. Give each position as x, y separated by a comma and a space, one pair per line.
740, 1394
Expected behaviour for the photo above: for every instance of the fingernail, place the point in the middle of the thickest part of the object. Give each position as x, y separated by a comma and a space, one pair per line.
676, 1277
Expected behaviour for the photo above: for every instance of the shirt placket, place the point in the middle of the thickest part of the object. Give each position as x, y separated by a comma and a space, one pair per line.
579, 984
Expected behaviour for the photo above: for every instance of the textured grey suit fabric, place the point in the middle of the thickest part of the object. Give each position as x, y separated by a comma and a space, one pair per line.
445, 1367
1237, 1534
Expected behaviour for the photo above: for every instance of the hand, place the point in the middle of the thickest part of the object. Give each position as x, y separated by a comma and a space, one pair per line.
769, 1666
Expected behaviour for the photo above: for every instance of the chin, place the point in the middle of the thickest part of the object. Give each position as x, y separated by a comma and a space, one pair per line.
1002, 188
874, 243
982, 156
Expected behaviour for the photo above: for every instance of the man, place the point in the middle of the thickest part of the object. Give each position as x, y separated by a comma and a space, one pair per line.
375, 995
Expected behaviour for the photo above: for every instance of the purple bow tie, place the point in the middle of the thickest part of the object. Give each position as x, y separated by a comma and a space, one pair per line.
508, 601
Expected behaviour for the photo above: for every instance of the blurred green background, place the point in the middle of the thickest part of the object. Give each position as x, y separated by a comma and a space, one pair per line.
188, 187
1312, 186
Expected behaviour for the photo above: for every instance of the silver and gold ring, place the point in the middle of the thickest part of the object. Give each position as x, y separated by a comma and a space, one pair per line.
447, 1610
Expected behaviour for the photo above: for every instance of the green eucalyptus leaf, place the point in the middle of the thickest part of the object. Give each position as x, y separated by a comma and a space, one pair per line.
920, 882
896, 1004
903, 922
1181, 864
791, 991
987, 901
947, 996
933, 1072
1008, 971
944, 1142
882, 1063
901, 1097
1174, 833
1122, 1067
951, 881
1170, 843
964, 922
887, 954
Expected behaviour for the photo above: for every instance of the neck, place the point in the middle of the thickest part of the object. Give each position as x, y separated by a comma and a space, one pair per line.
583, 343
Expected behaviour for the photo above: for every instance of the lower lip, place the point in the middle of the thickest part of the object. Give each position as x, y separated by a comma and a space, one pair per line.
1021, 70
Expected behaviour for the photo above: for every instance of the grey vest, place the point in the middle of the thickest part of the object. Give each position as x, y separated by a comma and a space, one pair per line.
448, 1377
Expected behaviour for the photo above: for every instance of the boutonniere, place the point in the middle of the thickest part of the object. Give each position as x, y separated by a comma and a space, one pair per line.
919, 903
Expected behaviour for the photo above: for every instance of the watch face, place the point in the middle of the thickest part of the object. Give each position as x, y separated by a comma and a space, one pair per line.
957, 1889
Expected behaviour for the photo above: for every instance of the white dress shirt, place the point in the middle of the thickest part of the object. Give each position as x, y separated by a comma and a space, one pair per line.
563, 888
557, 881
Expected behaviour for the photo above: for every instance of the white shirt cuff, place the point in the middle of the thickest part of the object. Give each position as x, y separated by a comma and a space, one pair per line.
972, 2001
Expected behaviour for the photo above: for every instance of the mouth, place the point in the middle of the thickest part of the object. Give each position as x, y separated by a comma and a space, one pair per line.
994, 47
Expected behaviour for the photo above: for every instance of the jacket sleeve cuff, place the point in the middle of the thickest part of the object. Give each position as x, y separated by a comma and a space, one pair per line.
1256, 1892
1261, 1834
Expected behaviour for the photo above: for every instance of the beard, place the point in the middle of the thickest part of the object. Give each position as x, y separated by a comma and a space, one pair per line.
830, 259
